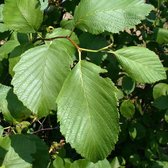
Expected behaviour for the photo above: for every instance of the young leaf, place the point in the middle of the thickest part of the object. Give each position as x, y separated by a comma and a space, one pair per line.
141, 64
87, 111
113, 16
23, 15
39, 76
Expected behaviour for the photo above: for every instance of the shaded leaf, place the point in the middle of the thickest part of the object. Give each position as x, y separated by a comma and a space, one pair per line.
12, 109
7, 48
113, 16
141, 64
128, 85
23, 151
85, 101
161, 102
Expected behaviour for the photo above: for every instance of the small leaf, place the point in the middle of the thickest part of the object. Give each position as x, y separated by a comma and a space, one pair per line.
39, 76
115, 163
128, 85
85, 101
141, 64
112, 16
58, 163
23, 15
127, 109
160, 89
162, 36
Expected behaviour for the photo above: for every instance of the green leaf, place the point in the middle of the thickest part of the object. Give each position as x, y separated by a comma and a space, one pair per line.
160, 89
18, 153
85, 101
141, 64
63, 32
58, 162
127, 109
162, 36
1, 130
23, 151
22, 15
86, 164
128, 84
7, 48
12, 109
112, 16
115, 163
161, 103
14, 56
41, 156
3, 28
39, 76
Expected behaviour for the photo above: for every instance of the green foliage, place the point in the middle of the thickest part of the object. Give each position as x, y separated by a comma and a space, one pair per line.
92, 102
96, 17
27, 16
83, 83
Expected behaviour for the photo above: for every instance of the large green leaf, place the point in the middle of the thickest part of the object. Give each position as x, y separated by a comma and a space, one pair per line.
141, 64
39, 76
23, 15
23, 151
87, 111
11, 108
97, 16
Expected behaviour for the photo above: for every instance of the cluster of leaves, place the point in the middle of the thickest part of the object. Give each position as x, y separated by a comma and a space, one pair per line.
82, 75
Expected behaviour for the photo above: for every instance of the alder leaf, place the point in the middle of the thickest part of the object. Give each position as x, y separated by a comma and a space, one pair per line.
39, 76
141, 64
97, 16
87, 111
23, 16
